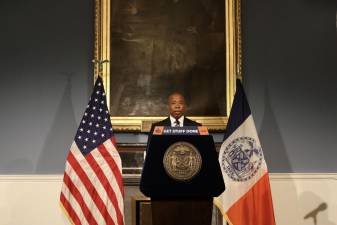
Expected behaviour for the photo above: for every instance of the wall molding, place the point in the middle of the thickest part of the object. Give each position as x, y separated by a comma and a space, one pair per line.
58, 177
31, 178
303, 176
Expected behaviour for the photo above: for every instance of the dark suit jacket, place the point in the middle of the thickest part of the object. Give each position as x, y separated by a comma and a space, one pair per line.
167, 122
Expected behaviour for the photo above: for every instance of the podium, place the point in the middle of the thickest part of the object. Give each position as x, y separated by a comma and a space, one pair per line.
181, 175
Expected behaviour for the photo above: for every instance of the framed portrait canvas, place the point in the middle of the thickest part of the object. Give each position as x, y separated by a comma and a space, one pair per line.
155, 47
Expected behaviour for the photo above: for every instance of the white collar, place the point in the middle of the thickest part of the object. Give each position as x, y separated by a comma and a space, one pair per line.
173, 121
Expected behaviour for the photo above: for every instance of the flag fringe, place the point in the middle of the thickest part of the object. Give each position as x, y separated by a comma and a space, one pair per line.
66, 213
224, 214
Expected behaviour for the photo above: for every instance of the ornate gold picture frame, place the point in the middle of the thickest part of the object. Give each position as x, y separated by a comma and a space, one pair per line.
232, 69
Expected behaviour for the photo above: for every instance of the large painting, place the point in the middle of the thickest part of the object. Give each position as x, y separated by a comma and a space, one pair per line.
157, 47
161, 46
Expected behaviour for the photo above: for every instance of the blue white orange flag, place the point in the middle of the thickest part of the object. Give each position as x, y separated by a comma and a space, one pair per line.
92, 190
247, 199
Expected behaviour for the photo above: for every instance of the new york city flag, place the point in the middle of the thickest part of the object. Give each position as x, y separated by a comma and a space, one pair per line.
247, 199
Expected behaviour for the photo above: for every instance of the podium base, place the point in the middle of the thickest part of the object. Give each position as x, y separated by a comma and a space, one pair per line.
182, 211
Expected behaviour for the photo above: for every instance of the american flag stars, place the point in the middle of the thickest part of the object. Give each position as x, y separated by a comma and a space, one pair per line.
95, 125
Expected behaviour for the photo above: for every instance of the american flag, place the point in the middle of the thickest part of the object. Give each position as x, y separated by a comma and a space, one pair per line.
92, 189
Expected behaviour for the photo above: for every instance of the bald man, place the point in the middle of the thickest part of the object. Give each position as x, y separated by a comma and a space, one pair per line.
176, 107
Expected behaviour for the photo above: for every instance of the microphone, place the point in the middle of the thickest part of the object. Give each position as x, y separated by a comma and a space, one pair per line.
323, 206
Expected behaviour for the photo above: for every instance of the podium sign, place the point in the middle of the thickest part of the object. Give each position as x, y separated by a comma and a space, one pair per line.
181, 162
188, 130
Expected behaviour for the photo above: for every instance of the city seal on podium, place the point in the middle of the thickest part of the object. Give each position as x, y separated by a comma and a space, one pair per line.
242, 158
182, 161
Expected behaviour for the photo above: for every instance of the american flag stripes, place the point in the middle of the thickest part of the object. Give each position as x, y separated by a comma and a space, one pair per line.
92, 190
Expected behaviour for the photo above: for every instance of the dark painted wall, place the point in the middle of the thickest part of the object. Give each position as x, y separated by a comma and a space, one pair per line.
46, 48
45, 52
290, 78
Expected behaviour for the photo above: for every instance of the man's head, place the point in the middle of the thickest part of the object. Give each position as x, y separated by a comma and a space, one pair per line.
176, 105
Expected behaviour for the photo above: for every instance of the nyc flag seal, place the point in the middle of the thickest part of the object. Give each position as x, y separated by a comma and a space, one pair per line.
242, 159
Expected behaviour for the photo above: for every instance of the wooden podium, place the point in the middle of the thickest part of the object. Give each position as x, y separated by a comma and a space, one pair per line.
182, 211
181, 174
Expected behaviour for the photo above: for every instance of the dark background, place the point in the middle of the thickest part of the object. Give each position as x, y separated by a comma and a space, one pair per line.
289, 58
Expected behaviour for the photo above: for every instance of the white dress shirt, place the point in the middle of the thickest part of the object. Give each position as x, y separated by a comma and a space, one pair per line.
173, 121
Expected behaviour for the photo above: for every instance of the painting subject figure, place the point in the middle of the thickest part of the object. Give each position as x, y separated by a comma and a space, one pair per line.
158, 47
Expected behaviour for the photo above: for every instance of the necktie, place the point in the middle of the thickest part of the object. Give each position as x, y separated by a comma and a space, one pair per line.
177, 123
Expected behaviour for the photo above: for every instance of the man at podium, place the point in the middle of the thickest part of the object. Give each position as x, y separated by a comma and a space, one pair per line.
181, 173
176, 106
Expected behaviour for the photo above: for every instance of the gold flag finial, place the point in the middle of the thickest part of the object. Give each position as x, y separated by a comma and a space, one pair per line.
100, 65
